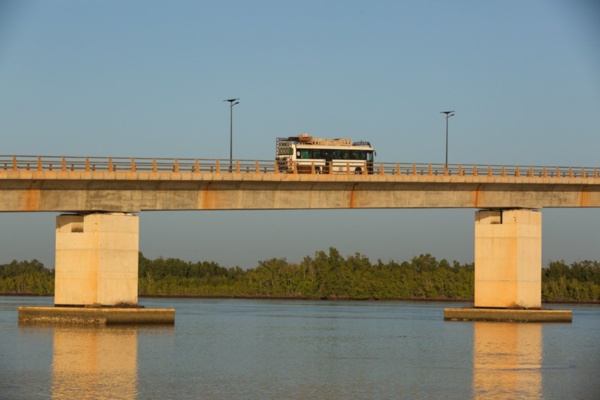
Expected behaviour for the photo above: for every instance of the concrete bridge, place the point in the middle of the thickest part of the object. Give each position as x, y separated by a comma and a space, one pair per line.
97, 241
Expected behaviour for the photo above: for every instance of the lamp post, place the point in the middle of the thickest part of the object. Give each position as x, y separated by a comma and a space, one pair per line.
448, 115
232, 102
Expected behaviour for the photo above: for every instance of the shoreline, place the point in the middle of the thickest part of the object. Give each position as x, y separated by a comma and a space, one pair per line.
298, 298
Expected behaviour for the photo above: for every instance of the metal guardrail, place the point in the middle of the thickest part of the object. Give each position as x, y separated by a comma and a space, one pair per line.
124, 164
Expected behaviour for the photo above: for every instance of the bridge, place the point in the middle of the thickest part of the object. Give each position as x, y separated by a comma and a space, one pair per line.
97, 240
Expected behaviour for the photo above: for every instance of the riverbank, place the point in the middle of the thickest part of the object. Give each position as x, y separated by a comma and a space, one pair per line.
326, 276
297, 298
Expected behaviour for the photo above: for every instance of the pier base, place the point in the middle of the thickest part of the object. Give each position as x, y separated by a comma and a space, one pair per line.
506, 315
96, 316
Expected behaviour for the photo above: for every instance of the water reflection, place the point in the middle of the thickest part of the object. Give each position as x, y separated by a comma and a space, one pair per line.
507, 360
94, 363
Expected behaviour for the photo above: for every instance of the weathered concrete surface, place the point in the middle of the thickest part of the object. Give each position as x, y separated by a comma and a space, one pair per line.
96, 316
507, 315
508, 259
73, 191
96, 259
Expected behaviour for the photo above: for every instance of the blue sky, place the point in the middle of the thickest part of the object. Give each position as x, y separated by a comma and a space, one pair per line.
148, 79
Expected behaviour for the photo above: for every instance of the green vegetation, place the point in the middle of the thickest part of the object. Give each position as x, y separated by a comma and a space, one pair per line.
578, 282
324, 276
26, 277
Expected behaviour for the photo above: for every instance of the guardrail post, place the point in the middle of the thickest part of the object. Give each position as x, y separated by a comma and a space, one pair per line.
132, 164
517, 172
15, 168
429, 170
570, 172
460, 170
237, 166
110, 165
490, 171
531, 171
276, 167
544, 173
596, 173
312, 167
64, 164
414, 169
398, 172
196, 166
295, 169
475, 172
218, 167
583, 174
381, 170
40, 166
257, 167
347, 168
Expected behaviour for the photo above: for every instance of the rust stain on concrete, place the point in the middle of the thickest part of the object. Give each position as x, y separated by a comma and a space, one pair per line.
32, 199
477, 195
208, 199
352, 196
584, 197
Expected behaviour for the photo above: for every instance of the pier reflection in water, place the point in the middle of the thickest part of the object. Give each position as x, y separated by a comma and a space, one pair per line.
507, 360
94, 362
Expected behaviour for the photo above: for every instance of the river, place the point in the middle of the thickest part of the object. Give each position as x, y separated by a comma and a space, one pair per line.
275, 349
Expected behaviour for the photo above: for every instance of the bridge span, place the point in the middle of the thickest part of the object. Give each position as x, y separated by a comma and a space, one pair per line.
97, 241
89, 184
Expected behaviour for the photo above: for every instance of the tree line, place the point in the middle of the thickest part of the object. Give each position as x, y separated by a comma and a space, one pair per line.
326, 275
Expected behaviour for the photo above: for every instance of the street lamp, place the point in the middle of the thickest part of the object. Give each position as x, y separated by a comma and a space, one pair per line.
448, 115
232, 102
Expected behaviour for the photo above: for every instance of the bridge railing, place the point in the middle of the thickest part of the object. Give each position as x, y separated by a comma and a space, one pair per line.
136, 164
484, 170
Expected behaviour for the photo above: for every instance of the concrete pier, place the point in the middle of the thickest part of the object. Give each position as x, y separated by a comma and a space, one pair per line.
508, 259
508, 270
96, 274
96, 259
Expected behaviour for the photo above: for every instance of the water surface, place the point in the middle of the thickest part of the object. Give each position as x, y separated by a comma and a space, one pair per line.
270, 349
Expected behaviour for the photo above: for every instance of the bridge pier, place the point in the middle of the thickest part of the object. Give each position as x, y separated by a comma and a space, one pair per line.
96, 274
508, 269
96, 259
508, 258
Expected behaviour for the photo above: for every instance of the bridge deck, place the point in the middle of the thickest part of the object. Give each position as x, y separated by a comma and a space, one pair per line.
85, 184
